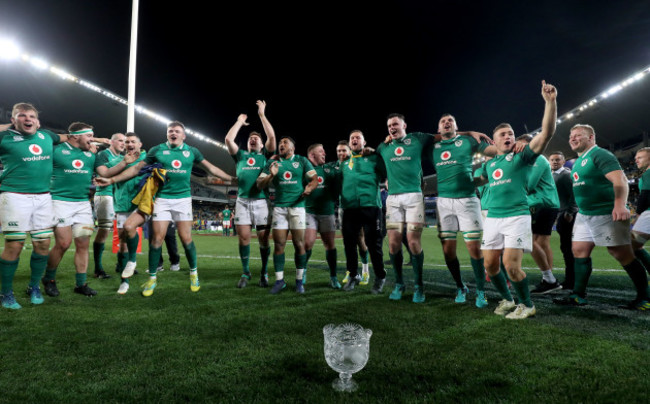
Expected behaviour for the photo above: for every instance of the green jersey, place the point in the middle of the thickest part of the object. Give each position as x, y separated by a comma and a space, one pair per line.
125, 191
288, 183
403, 162
359, 178
452, 159
27, 160
72, 173
508, 179
483, 190
226, 214
321, 200
644, 181
594, 193
249, 166
178, 162
542, 192
109, 159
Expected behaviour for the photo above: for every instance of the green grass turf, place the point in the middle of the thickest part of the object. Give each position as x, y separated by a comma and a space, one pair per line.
225, 344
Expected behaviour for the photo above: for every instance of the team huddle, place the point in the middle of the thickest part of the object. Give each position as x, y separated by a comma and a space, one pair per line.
47, 179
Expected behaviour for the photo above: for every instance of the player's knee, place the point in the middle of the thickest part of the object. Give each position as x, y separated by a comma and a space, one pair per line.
105, 224
394, 226
42, 235
414, 227
470, 236
447, 235
82, 230
18, 236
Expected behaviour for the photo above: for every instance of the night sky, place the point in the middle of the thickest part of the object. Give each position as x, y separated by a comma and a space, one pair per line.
325, 68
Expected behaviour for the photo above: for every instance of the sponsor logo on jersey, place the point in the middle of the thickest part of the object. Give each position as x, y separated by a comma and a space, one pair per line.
320, 179
446, 155
250, 161
176, 164
287, 175
65, 151
165, 151
458, 143
18, 138
497, 174
77, 164
576, 177
186, 153
35, 149
399, 151
584, 162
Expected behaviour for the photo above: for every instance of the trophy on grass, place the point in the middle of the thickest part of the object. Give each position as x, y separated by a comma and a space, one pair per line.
346, 351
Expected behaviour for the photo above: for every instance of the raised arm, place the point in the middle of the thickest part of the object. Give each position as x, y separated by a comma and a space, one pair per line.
619, 182
117, 168
540, 141
268, 129
232, 134
123, 176
216, 171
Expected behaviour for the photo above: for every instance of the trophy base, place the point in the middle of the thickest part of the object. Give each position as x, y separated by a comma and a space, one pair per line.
342, 385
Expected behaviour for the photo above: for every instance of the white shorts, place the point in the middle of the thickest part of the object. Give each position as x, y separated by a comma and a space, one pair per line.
120, 218
601, 230
226, 224
642, 224
25, 212
252, 212
173, 210
405, 208
322, 223
507, 232
67, 213
459, 214
104, 207
289, 218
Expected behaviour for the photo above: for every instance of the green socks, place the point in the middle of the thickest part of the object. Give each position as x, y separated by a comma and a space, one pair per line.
278, 262
154, 259
37, 263
50, 274
80, 279
479, 273
330, 256
364, 256
644, 257
500, 282
583, 272
454, 269
98, 250
244, 255
523, 292
132, 245
190, 253
7, 271
264, 254
300, 260
418, 261
636, 272
397, 260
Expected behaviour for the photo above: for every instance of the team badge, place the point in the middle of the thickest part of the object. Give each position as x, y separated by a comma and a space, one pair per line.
584, 162
320, 179
40, 135
176, 164
88, 154
407, 141
77, 164
35, 149
509, 157
295, 165
399, 151
250, 161
497, 174
576, 177
458, 143
287, 175
446, 155
186, 153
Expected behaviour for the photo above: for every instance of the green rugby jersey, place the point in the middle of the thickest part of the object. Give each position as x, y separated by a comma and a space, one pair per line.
594, 193
288, 183
542, 192
125, 191
508, 179
321, 200
178, 162
249, 166
644, 181
227, 213
359, 177
452, 159
109, 159
27, 160
483, 190
72, 173
403, 162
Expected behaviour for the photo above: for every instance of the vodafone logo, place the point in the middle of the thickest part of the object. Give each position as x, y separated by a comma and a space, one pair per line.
497, 174
446, 155
176, 164
576, 177
35, 149
287, 175
320, 179
77, 164
399, 151
250, 161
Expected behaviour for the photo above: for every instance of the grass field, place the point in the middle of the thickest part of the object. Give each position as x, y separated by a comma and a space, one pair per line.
225, 344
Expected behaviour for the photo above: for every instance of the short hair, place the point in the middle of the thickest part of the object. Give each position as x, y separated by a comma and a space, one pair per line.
356, 131
23, 106
312, 147
75, 126
133, 134
644, 149
557, 152
447, 114
344, 142
526, 138
254, 133
290, 139
176, 123
501, 126
395, 115
587, 128
114, 135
